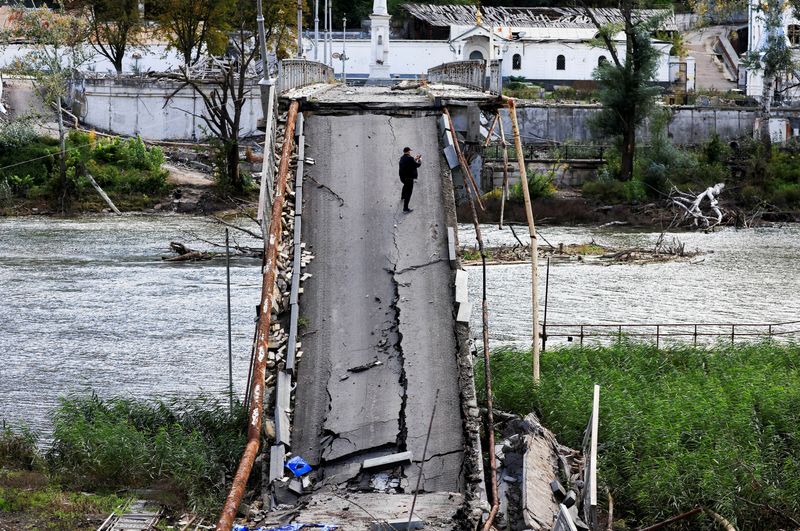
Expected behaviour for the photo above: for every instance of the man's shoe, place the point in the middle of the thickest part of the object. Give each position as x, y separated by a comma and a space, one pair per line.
408, 210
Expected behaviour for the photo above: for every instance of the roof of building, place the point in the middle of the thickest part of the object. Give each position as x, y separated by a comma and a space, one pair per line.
529, 17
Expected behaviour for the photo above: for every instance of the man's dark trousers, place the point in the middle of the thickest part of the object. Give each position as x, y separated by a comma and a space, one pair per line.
408, 188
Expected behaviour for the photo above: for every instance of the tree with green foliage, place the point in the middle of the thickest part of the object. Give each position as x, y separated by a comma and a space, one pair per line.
195, 27
626, 84
56, 42
113, 24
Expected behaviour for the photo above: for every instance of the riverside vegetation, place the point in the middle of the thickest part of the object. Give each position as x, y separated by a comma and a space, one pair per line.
679, 428
128, 170
184, 451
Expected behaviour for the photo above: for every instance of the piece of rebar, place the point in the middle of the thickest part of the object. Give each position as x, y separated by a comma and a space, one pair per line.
424, 456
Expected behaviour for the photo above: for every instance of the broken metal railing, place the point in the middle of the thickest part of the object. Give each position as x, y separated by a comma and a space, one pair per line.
696, 333
469, 74
590, 463
296, 73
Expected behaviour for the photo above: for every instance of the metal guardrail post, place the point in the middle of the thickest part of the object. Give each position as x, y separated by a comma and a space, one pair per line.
733, 333
658, 335
695, 335
619, 335
581, 335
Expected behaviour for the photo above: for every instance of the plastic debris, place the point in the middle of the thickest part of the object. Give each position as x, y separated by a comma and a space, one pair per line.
298, 466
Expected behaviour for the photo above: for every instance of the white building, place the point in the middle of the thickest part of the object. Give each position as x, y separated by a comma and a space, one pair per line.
549, 46
786, 88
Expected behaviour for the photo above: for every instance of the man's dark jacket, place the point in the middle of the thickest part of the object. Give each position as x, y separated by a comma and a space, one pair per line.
408, 168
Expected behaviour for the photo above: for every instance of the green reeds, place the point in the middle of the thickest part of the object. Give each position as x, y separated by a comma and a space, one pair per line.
678, 428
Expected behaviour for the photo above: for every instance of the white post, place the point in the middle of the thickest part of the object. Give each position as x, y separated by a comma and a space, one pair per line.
344, 56
325, 51
299, 29
316, 30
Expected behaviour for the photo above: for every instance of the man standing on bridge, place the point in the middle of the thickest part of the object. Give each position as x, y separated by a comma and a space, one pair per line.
408, 174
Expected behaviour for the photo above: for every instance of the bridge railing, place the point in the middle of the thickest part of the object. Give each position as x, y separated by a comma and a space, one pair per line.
296, 73
470, 74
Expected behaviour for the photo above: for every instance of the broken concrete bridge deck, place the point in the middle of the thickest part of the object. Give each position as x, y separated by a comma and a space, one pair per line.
381, 336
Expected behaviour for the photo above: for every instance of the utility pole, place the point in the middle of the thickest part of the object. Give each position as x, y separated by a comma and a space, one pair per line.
325, 51
262, 39
316, 30
344, 56
299, 29
330, 33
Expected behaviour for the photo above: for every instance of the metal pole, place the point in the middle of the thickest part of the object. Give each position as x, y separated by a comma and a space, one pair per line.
658, 334
262, 40
546, 292
326, 33
230, 345
329, 59
299, 29
344, 55
316, 30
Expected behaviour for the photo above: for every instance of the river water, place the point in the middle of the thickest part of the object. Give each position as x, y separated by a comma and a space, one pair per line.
87, 303
744, 276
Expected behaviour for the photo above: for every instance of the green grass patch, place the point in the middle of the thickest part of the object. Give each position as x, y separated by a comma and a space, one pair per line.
186, 449
678, 428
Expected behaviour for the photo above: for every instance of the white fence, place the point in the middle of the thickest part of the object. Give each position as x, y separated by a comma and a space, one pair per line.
470, 74
296, 73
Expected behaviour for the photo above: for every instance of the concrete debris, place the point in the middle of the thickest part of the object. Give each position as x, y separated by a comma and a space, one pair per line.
401, 458
398, 525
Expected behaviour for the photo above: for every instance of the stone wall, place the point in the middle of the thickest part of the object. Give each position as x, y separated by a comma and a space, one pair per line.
688, 126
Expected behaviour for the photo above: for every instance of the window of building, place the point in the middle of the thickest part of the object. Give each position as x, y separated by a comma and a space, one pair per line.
561, 63
794, 34
516, 62
602, 60
476, 56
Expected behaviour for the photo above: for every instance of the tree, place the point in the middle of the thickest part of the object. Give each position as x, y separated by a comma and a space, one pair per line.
626, 85
772, 57
113, 24
194, 27
55, 39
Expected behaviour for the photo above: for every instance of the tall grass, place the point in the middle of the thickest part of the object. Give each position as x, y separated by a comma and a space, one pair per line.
184, 448
678, 428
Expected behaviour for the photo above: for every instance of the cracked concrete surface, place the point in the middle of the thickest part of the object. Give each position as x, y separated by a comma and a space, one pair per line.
380, 291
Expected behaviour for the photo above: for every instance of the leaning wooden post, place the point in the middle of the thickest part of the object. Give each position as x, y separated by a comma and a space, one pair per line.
505, 169
523, 176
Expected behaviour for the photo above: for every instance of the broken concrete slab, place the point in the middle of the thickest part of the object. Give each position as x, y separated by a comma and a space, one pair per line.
564, 520
451, 156
462, 286
451, 247
464, 311
277, 456
387, 461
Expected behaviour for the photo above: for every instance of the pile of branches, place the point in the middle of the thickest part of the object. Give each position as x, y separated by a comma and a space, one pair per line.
689, 208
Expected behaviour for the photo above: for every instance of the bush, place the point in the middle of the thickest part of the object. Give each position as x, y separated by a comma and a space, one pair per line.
606, 189
17, 449
678, 428
540, 185
16, 134
122, 443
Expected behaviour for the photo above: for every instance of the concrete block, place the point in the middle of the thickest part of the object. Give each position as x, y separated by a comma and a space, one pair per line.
291, 346
558, 490
401, 458
283, 428
284, 391
298, 228
298, 202
296, 486
451, 247
397, 525
564, 521
570, 499
462, 287
451, 156
295, 291
298, 127
444, 123
277, 455
464, 311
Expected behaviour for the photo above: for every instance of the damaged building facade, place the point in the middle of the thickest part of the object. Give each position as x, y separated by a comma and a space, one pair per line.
548, 46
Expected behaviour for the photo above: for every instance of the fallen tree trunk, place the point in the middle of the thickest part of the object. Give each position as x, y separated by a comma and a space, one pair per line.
691, 206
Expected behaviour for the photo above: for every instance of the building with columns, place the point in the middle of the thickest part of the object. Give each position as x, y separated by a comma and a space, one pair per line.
548, 46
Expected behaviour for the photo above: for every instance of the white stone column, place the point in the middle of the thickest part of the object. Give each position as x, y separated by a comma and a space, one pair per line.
379, 34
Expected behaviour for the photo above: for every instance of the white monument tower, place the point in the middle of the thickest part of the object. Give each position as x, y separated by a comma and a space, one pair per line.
379, 30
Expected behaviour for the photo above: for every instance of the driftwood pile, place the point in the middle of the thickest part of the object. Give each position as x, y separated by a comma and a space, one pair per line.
592, 252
